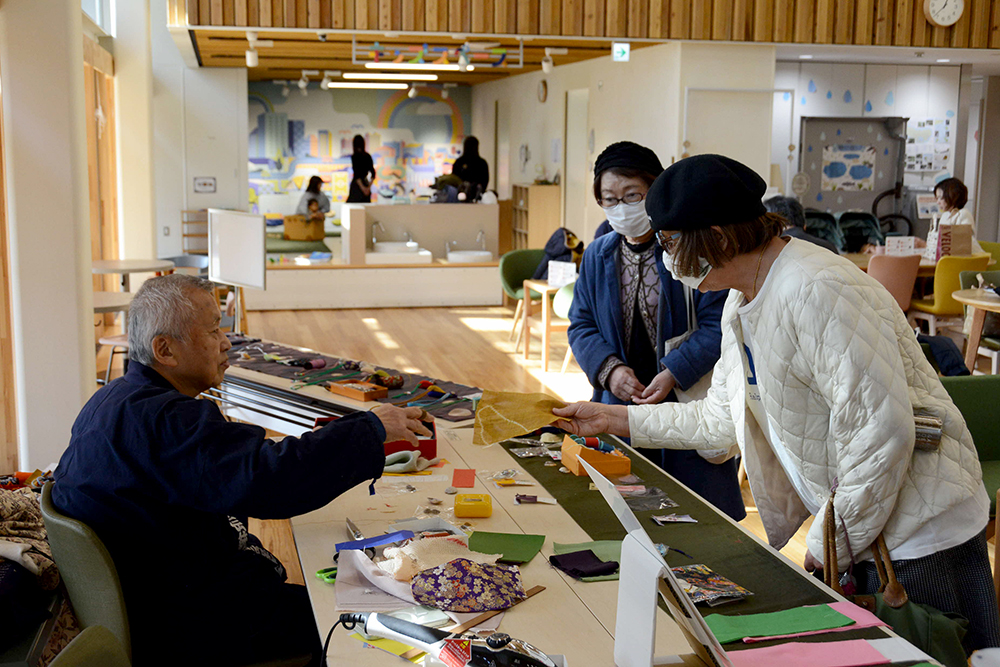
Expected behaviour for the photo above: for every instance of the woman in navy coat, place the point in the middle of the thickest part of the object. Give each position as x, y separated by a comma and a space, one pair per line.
639, 335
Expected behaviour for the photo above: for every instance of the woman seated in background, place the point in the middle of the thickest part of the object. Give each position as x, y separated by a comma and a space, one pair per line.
313, 193
952, 196
819, 377
640, 335
362, 167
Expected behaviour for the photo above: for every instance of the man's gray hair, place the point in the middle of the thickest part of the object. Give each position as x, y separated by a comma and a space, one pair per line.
161, 307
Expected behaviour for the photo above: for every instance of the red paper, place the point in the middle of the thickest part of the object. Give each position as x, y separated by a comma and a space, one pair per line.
456, 652
851, 653
463, 478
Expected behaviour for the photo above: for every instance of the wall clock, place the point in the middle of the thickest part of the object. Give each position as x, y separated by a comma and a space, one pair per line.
943, 13
543, 88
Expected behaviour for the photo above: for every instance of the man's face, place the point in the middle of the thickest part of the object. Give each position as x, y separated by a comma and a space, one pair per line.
201, 359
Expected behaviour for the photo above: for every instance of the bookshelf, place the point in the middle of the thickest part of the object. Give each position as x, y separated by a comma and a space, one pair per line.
535, 214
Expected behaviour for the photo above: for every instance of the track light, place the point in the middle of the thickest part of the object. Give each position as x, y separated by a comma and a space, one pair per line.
286, 91
252, 58
303, 83
444, 89
325, 83
463, 62
444, 93
547, 64
412, 92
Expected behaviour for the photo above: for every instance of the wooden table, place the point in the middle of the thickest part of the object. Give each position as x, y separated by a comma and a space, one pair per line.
548, 323
127, 266
981, 302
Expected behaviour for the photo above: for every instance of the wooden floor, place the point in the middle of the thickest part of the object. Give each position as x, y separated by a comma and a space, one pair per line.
466, 345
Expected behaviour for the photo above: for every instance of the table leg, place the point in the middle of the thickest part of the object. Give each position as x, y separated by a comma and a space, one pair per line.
975, 334
546, 323
526, 321
126, 283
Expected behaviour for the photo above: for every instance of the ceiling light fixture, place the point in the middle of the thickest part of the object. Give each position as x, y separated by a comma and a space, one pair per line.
418, 66
805, 57
367, 85
252, 58
944, 60
444, 89
256, 43
381, 76
547, 64
285, 90
412, 92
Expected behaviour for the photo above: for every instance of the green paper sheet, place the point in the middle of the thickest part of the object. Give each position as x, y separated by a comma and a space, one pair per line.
516, 548
604, 549
789, 621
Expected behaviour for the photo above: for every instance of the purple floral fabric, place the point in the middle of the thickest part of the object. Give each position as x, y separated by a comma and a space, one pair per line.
463, 586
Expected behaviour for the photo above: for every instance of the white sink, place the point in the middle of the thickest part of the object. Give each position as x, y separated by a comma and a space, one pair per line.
469, 256
396, 246
416, 256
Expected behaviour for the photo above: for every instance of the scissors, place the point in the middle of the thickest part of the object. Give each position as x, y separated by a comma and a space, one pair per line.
355, 534
327, 575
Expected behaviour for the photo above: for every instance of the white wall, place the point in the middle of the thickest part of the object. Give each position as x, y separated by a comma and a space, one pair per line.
640, 101
45, 155
200, 129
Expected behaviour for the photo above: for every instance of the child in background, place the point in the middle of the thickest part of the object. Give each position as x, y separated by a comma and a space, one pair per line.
314, 213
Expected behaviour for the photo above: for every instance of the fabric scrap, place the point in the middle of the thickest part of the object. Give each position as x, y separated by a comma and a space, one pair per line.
21, 523
580, 564
862, 619
463, 478
502, 415
465, 586
787, 621
515, 547
606, 550
404, 562
851, 653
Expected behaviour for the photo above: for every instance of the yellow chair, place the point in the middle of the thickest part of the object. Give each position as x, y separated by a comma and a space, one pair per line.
994, 250
941, 309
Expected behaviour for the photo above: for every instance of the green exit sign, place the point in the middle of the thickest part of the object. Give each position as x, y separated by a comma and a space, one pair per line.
620, 51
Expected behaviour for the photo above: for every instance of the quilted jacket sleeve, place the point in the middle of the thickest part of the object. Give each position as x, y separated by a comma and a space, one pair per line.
698, 354
849, 352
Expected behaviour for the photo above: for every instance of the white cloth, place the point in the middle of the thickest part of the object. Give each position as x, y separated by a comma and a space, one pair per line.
841, 373
14, 551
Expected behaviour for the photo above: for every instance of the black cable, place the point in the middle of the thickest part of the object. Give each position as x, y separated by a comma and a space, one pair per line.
349, 623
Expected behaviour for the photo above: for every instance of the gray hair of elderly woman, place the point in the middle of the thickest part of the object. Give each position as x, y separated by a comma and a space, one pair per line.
161, 307
789, 209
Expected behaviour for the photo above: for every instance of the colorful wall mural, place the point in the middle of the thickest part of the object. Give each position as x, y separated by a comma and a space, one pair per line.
292, 138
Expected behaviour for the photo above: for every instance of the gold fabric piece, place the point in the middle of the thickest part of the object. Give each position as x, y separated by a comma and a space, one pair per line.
505, 414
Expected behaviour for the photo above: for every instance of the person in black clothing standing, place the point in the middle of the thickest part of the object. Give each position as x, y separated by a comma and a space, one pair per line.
362, 165
470, 167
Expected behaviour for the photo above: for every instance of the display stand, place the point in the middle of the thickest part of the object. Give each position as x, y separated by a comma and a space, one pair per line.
237, 255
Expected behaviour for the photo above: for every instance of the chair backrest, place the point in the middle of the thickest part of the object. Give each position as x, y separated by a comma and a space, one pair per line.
946, 280
563, 300
974, 396
993, 249
517, 266
823, 225
897, 274
96, 645
87, 570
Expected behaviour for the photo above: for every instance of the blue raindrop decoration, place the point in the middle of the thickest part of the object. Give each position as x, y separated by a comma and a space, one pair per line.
809, 149
889, 99
812, 86
838, 133
949, 113
847, 96
868, 106
786, 96
829, 94
803, 100
819, 197
886, 151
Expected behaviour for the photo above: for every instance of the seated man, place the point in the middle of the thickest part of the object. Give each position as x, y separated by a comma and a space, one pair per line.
795, 221
167, 483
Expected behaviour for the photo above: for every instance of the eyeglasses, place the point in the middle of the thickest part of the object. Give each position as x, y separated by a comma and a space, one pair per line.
668, 243
630, 198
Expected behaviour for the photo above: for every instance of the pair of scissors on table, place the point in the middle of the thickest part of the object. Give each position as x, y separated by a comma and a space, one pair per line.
329, 574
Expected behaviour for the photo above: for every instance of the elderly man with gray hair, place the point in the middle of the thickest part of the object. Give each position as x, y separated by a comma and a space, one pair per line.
168, 483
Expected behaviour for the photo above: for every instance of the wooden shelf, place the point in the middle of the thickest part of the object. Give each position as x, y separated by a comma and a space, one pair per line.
535, 215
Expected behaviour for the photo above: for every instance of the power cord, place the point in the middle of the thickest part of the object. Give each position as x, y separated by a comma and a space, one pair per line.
349, 621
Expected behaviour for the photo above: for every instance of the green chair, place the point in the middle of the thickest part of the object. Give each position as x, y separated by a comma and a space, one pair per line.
517, 266
561, 303
989, 346
96, 645
993, 249
87, 571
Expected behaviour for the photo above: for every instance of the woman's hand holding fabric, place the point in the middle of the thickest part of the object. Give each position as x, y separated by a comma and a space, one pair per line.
624, 384
588, 418
658, 389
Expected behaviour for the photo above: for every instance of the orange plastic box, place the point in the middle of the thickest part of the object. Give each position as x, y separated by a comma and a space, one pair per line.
358, 390
610, 465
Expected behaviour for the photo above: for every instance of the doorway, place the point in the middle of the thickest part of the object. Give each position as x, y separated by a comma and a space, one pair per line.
577, 164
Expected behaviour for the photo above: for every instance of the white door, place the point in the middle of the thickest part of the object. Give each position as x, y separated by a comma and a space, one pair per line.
501, 142
577, 188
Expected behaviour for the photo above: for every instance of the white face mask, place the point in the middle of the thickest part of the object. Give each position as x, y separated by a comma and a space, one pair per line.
691, 281
629, 219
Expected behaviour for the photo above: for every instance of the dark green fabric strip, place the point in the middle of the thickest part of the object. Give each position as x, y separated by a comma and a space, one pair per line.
712, 541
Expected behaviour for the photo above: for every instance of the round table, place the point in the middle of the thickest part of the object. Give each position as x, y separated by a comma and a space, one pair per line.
112, 302
127, 266
981, 302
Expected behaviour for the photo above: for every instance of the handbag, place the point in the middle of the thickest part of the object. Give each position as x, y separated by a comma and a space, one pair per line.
934, 632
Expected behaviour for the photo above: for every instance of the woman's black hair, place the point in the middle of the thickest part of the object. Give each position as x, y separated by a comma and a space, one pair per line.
359, 143
315, 183
470, 147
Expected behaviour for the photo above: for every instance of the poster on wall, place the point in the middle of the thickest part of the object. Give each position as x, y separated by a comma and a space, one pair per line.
848, 167
928, 144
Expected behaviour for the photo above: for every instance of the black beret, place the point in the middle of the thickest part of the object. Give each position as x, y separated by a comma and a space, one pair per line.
627, 155
702, 191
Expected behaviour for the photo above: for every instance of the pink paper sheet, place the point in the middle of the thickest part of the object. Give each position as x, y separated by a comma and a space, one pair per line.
851, 653
862, 619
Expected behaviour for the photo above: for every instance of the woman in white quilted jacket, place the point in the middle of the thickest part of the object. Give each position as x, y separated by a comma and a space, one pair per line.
817, 384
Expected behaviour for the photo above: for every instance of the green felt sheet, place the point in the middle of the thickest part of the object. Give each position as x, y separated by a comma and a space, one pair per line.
516, 548
789, 621
604, 549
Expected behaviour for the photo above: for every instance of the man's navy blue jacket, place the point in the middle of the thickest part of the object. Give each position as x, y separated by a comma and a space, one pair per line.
167, 484
596, 330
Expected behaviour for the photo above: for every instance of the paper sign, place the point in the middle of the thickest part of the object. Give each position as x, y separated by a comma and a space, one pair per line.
561, 273
927, 206
900, 245
620, 51
456, 652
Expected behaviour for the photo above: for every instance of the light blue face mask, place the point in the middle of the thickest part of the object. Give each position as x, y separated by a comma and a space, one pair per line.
691, 281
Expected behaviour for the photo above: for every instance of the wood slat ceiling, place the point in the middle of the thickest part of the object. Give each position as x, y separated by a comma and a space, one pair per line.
296, 51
